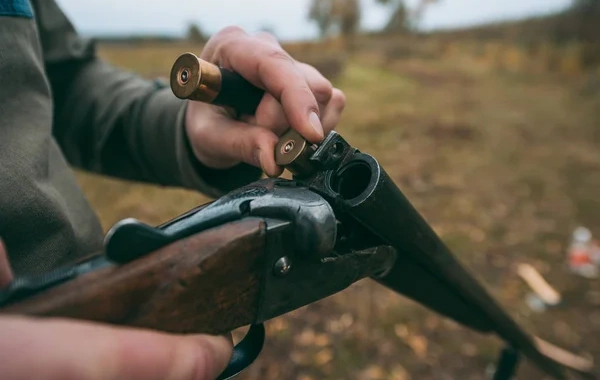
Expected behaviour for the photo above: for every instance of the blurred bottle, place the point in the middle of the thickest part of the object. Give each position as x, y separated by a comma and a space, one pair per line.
580, 253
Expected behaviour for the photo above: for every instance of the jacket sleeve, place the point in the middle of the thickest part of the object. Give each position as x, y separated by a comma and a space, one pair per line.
113, 122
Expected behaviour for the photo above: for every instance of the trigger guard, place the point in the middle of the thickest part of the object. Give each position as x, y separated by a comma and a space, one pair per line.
245, 352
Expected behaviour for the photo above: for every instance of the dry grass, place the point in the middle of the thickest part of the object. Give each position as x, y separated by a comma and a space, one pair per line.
503, 164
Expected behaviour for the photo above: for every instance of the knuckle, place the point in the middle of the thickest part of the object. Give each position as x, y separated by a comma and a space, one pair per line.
231, 30
301, 93
305, 89
202, 366
311, 70
220, 51
327, 86
223, 42
321, 86
297, 91
270, 139
263, 138
323, 90
267, 36
239, 147
279, 54
338, 99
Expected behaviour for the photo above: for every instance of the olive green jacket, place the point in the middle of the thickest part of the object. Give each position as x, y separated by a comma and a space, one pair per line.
62, 107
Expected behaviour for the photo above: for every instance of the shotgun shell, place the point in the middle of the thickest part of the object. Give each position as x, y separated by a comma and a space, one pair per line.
195, 79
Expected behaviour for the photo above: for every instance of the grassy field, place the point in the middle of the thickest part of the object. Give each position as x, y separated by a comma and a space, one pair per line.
503, 162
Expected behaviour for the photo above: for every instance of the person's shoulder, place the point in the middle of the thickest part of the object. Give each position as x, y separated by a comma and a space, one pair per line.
16, 8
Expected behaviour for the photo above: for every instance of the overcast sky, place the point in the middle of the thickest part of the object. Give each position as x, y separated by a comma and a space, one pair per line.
286, 17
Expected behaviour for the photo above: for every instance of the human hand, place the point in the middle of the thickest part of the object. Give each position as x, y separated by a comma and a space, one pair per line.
48, 349
296, 96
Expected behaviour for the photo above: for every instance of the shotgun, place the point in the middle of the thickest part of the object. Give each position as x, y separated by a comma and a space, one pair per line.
273, 246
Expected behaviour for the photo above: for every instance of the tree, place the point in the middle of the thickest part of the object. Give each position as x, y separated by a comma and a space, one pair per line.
582, 23
402, 18
398, 21
335, 16
592, 6
320, 12
349, 16
195, 35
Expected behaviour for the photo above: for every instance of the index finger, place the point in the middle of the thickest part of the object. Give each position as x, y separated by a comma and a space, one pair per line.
268, 66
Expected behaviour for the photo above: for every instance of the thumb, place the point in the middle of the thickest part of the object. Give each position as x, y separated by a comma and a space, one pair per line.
38, 348
6, 275
252, 144
236, 141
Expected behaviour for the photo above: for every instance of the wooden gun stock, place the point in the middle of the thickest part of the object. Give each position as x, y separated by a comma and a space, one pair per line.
208, 282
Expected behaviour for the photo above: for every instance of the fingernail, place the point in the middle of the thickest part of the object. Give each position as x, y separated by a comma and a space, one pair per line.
314, 120
218, 350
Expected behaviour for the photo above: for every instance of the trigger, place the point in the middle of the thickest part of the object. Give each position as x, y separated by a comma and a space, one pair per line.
245, 352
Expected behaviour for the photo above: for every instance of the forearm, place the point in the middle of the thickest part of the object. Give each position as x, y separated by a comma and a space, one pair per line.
116, 123
99, 112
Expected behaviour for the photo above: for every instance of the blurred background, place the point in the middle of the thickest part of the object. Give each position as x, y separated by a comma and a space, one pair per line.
486, 115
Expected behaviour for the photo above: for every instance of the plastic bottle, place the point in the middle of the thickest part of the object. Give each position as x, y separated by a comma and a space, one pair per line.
580, 253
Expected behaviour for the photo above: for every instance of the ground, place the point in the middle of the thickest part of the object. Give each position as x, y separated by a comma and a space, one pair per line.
504, 164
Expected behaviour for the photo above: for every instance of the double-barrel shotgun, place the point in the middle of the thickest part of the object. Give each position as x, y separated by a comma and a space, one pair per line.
273, 246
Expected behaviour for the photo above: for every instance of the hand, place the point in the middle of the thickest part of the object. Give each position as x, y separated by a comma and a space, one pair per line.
296, 96
45, 349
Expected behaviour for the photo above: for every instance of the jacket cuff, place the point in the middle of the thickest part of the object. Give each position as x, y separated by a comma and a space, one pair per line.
172, 156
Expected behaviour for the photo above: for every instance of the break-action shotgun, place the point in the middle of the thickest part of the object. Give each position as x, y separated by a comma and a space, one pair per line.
273, 246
